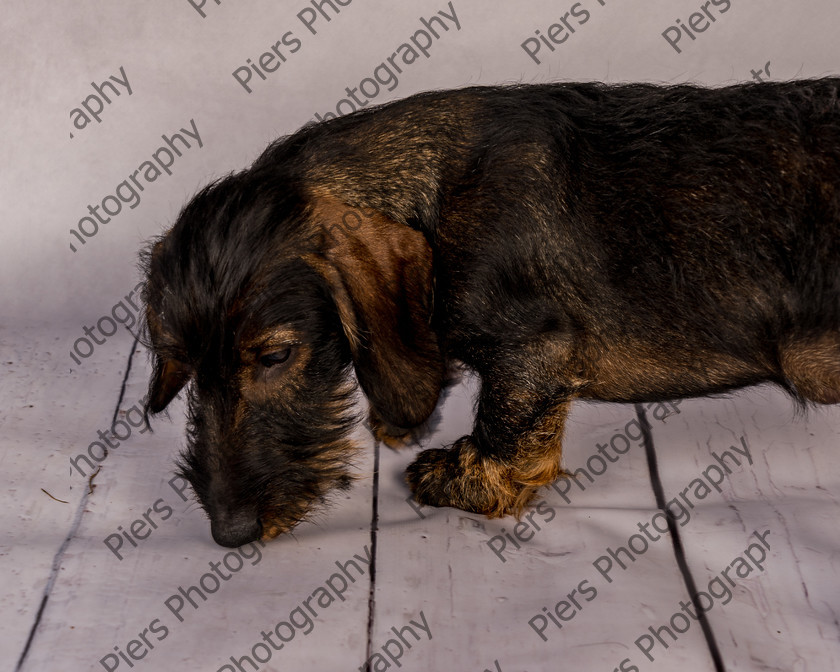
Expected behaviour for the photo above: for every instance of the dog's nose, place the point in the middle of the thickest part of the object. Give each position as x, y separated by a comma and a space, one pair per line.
234, 530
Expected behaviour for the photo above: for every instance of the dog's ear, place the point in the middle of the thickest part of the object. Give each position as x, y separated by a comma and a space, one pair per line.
381, 276
168, 379
169, 375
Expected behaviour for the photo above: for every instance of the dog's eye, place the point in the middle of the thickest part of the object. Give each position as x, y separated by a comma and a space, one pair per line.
275, 358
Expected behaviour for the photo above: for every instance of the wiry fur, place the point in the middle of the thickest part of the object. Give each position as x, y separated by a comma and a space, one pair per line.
625, 243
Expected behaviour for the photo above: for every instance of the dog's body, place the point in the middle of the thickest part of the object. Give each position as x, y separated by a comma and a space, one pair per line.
623, 243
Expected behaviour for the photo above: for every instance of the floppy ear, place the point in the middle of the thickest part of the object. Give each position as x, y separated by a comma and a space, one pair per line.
380, 274
168, 379
169, 375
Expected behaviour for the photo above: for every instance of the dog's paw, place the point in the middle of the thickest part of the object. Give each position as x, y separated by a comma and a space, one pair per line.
429, 477
461, 478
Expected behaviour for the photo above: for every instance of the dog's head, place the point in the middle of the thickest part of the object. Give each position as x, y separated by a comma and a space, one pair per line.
262, 296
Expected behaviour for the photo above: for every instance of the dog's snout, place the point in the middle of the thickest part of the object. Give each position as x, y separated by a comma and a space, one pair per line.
234, 530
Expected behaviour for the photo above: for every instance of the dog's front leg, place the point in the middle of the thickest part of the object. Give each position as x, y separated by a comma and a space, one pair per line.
514, 450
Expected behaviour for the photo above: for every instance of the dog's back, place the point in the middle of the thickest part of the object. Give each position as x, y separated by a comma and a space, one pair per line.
667, 225
682, 226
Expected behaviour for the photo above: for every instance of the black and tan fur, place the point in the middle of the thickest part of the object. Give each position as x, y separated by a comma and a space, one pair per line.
623, 243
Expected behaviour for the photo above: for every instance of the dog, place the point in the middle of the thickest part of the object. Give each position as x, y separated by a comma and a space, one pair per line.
625, 243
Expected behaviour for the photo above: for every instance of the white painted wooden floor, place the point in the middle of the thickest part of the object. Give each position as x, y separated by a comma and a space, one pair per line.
380, 579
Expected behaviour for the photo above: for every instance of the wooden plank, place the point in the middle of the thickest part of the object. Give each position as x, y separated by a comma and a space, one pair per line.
785, 611
484, 606
102, 604
48, 414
